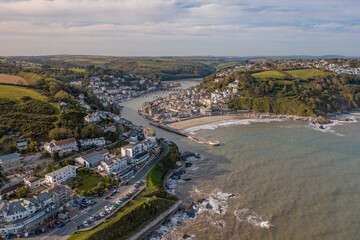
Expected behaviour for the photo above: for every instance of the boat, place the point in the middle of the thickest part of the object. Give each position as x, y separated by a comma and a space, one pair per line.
213, 142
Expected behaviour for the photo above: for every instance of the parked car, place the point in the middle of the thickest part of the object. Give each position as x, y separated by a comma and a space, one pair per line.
51, 226
110, 194
118, 202
106, 208
89, 209
37, 232
86, 224
102, 214
57, 222
114, 191
81, 208
108, 211
61, 225
92, 219
96, 218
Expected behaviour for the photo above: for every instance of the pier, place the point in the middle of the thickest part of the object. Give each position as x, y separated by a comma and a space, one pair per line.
169, 129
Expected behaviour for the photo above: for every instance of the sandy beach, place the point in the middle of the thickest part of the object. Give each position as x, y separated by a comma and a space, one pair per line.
210, 119
204, 120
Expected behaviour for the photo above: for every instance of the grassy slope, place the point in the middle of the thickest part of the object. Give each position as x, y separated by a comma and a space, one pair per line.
268, 74
305, 74
23, 78
16, 92
11, 79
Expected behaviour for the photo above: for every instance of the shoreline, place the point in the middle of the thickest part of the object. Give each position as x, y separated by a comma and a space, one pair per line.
182, 125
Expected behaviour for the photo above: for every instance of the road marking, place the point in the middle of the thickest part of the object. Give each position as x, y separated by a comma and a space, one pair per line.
74, 216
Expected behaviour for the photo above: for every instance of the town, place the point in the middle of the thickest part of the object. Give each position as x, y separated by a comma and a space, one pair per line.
207, 100
48, 186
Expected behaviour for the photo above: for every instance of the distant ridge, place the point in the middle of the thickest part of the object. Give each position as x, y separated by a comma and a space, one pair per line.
69, 56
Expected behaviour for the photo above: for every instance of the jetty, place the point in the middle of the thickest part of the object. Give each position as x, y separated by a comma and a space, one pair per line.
169, 129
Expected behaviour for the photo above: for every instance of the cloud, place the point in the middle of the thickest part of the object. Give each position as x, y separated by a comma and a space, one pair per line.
171, 27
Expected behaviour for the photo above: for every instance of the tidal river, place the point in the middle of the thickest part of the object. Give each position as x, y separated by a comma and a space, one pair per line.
267, 180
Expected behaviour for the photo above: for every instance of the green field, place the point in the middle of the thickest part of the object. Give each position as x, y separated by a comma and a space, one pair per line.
268, 74
18, 92
305, 74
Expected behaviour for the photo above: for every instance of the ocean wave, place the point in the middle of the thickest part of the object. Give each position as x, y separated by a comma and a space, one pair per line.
245, 214
344, 119
169, 226
225, 123
215, 203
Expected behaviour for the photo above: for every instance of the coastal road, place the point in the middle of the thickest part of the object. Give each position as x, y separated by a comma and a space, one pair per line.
78, 217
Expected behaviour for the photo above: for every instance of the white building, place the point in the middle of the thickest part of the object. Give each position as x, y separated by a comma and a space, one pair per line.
115, 166
60, 175
97, 141
92, 118
131, 150
63, 146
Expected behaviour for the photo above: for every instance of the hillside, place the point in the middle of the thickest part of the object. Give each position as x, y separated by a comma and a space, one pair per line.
303, 92
155, 68
27, 111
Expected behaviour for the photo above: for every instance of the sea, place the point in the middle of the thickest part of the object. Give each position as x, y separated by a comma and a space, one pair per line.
269, 179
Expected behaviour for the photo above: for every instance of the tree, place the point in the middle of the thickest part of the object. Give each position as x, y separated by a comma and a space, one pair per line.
49, 168
56, 156
92, 131
22, 192
72, 119
60, 133
37, 167
69, 161
45, 154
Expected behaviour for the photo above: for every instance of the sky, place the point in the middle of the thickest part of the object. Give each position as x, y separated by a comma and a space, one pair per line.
180, 27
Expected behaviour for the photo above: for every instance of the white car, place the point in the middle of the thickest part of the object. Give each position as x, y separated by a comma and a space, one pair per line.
108, 211
118, 202
92, 219
86, 224
106, 208
102, 214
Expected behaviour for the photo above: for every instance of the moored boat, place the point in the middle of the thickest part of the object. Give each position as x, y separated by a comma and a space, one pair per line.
213, 142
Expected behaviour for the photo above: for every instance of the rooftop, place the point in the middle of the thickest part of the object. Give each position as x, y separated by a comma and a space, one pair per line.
9, 157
